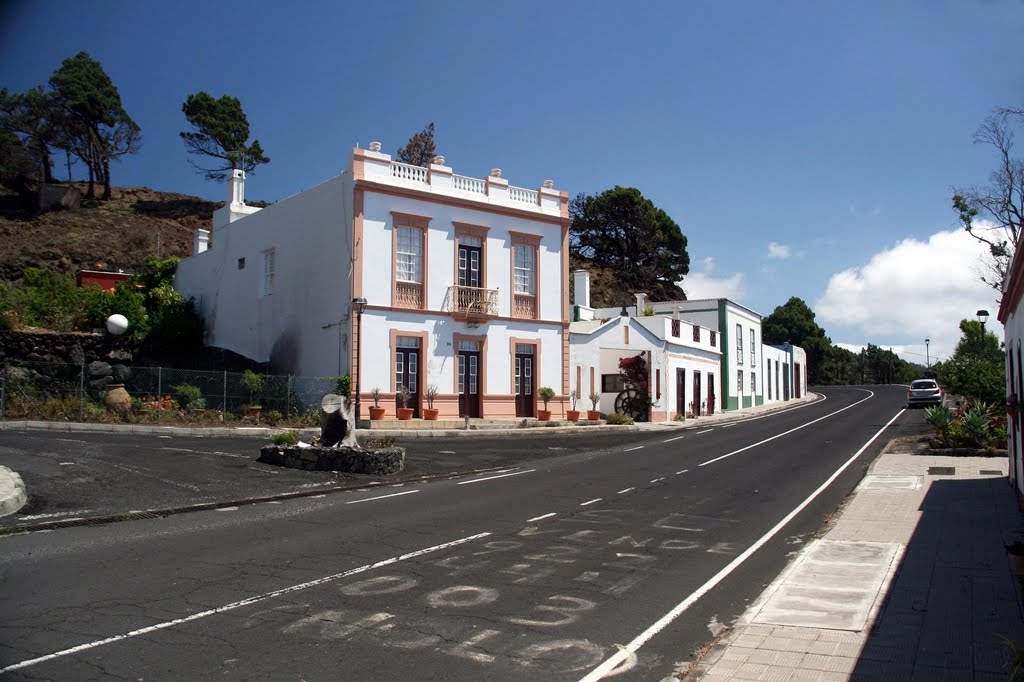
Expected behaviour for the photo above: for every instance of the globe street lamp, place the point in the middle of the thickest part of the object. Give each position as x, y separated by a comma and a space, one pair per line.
983, 318
358, 306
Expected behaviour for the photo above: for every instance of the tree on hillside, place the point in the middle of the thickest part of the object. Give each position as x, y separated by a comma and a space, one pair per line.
16, 161
977, 367
35, 118
220, 130
420, 149
1001, 201
625, 232
100, 128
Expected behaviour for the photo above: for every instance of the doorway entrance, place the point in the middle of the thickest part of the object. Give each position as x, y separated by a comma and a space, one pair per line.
696, 394
407, 367
524, 380
681, 392
711, 393
469, 378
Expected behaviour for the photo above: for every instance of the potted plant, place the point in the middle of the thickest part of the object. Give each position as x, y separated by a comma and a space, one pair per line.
376, 412
573, 415
546, 393
429, 412
594, 414
253, 383
404, 396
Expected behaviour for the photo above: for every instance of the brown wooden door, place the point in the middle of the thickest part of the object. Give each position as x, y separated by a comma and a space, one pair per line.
469, 383
696, 394
711, 393
681, 392
524, 384
407, 366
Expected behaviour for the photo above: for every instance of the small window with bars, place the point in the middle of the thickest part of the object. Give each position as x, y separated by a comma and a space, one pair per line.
696, 333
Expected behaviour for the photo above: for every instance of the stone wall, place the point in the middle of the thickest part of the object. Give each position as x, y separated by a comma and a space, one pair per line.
377, 462
73, 348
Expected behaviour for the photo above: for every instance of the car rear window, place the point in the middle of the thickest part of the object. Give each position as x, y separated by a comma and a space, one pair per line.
924, 384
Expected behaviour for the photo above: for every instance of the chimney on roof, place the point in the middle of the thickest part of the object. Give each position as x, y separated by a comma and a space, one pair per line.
675, 312
641, 304
581, 294
236, 187
200, 241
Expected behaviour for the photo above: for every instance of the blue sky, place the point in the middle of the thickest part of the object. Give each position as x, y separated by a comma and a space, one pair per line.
792, 141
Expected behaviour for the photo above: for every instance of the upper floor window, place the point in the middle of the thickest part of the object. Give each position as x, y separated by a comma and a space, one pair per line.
675, 328
525, 248
753, 348
753, 383
739, 344
739, 382
714, 338
267, 286
410, 260
696, 333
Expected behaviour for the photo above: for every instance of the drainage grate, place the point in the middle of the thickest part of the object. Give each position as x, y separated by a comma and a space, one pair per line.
990, 472
941, 471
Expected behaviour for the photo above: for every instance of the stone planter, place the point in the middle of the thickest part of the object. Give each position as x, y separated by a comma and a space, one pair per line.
572, 415
254, 412
430, 414
376, 413
543, 415
375, 462
594, 415
405, 414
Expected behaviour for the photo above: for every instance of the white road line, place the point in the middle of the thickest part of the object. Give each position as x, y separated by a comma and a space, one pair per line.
623, 492
638, 447
238, 604
682, 472
380, 497
491, 478
224, 509
625, 652
786, 433
542, 516
705, 431
726, 426
589, 502
655, 480
672, 439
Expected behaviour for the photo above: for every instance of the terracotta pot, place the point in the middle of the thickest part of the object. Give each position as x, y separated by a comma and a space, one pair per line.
430, 414
376, 413
543, 415
117, 399
572, 415
405, 413
594, 415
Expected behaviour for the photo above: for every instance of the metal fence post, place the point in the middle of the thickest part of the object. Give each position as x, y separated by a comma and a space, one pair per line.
224, 401
159, 393
81, 392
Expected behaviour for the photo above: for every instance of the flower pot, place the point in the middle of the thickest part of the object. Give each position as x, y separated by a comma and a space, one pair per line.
572, 415
430, 414
405, 413
543, 415
376, 413
594, 415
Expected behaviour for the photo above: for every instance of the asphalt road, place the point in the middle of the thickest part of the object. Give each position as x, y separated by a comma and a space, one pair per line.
631, 556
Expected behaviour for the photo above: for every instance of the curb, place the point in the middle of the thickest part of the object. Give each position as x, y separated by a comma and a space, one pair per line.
12, 492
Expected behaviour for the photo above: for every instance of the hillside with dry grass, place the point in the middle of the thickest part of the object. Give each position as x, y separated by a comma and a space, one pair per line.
101, 235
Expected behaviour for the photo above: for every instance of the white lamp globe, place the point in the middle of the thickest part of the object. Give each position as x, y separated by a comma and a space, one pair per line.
117, 324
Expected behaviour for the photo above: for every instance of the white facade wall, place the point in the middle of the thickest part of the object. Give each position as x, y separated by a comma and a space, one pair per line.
311, 244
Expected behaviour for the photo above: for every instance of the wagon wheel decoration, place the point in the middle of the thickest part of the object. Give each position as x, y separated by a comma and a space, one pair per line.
631, 402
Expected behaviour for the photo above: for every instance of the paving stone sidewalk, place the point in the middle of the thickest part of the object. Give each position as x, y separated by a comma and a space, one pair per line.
911, 582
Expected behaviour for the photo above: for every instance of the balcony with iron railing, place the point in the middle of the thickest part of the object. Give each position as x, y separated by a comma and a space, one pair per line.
472, 303
438, 178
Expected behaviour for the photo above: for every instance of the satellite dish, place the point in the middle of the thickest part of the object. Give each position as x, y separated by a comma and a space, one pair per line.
117, 324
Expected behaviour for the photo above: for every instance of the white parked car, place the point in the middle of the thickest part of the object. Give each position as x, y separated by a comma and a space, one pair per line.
924, 392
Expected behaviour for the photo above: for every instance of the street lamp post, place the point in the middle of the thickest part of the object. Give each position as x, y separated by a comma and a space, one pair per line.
983, 318
358, 306
927, 355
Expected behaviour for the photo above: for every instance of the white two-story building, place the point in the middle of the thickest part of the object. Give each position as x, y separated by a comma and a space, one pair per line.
465, 282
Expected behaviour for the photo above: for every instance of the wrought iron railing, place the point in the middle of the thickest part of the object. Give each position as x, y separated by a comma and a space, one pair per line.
472, 300
408, 295
525, 306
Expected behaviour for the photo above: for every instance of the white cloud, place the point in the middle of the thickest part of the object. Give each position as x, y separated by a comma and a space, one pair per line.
704, 285
914, 290
776, 250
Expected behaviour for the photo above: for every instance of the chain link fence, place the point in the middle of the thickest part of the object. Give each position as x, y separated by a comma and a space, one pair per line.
104, 392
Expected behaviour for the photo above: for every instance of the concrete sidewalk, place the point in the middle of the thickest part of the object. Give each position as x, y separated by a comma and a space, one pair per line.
911, 582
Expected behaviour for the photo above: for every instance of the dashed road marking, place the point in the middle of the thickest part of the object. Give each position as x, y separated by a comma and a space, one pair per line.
623, 492
491, 478
542, 516
655, 480
380, 497
638, 447
224, 509
704, 431
682, 472
596, 499
672, 439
